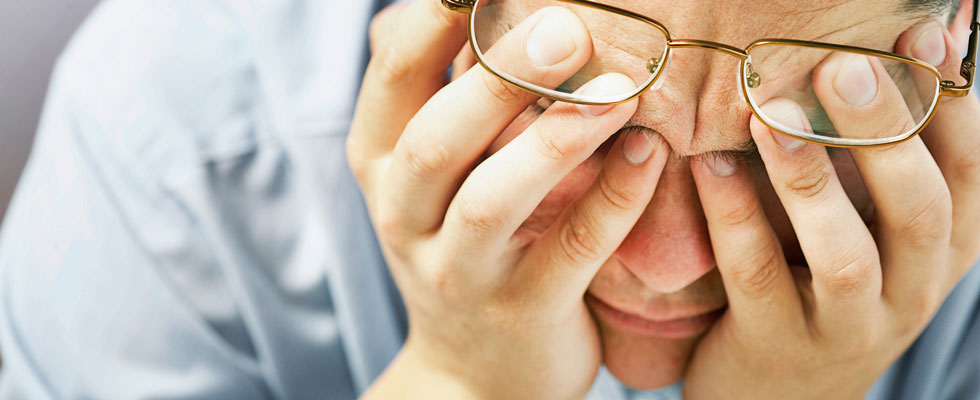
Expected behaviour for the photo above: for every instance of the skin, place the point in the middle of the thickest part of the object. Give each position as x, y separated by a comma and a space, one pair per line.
665, 268
516, 244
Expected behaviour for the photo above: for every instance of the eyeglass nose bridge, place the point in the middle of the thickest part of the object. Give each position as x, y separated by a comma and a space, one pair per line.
709, 45
752, 78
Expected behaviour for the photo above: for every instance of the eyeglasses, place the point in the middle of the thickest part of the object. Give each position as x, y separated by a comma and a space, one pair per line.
770, 70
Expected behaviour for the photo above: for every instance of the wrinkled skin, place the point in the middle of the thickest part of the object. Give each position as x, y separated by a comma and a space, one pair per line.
665, 268
551, 259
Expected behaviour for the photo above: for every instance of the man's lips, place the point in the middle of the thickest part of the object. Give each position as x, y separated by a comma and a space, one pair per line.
668, 328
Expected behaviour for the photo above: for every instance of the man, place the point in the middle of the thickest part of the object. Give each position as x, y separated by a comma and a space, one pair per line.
201, 237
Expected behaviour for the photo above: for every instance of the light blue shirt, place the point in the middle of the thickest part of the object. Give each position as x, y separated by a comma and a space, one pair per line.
187, 226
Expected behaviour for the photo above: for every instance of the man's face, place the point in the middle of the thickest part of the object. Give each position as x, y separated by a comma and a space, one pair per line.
660, 291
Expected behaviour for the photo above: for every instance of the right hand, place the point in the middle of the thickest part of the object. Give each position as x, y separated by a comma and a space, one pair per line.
495, 311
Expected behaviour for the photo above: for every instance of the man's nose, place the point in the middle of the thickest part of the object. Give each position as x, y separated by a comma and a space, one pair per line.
698, 107
669, 248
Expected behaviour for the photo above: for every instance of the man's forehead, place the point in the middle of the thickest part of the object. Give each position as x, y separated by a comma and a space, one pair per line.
871, 24
791, 14
750, 8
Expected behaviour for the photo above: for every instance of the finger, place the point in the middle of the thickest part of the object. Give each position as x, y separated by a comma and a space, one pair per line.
454, 129
953, 138
562, 262
912, 203
503, 191
412, 54
383, 23
463, 62
836, 244
762, 295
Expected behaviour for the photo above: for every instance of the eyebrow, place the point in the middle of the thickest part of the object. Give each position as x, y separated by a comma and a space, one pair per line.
746, 148
745, 151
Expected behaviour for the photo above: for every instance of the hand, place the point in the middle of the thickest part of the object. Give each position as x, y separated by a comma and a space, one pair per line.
831, 330
494, 311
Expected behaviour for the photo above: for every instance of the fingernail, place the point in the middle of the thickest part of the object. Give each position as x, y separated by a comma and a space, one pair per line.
719, 164
550, 41
639, 146
791, 117
787, 143
607, 85
930, 46
855, 82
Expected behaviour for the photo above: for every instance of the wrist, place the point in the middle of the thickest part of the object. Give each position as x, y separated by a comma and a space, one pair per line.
411, 375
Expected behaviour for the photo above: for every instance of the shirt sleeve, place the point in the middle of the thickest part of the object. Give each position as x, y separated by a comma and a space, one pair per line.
944, 362
156, 246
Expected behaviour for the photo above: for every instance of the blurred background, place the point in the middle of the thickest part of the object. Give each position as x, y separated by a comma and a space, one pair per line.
32, 34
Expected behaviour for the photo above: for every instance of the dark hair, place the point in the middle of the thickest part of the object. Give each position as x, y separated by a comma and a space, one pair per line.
933, 6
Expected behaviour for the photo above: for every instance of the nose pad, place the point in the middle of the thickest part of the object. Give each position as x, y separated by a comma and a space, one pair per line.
741, 77
752, 78
652, 66
669, 248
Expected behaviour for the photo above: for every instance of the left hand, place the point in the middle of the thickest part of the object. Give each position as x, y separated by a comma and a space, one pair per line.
831, 330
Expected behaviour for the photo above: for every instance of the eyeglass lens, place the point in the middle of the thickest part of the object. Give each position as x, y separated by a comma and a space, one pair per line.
795, 89
639, 57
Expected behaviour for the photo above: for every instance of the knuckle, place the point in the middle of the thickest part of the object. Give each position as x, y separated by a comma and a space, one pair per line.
578, 241
929, 221
756, 271
425, 162
966, 168
499, 92
356, 159
387, 223
618, 197
391, 232
810, 181
440, 279
918, 312
740, 215
853, 277
389, 65
479, 216
556, 147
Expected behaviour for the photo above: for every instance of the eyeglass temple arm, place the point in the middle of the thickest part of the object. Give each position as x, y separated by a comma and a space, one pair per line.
969, 66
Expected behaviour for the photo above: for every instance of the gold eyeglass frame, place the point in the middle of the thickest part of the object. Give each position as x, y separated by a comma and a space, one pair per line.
946, 88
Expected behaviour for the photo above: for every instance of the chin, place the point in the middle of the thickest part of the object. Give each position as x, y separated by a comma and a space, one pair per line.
647, 337
644, 363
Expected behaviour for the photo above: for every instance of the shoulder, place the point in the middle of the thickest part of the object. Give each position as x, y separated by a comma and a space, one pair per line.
159, 186
151, 82
187, 81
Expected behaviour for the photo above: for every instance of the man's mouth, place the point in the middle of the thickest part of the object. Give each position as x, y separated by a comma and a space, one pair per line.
663, 326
